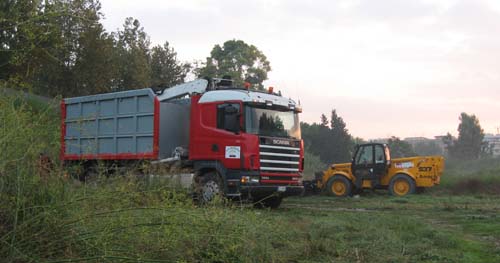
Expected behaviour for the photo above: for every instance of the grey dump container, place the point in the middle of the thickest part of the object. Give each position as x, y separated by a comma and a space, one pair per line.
118, 125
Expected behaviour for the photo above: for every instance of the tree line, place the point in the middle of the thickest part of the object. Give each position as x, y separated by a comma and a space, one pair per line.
60, 47
331, 141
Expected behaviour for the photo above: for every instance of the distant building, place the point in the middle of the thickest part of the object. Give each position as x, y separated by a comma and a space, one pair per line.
440, 142
493, 142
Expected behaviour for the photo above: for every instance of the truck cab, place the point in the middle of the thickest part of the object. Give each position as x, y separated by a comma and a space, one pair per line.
248, 143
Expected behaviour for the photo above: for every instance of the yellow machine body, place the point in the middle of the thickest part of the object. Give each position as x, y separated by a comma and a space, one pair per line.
425, 171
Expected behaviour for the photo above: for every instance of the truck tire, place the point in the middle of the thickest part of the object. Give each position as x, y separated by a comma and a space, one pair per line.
208, 188
339, 186
272, 202
402, 185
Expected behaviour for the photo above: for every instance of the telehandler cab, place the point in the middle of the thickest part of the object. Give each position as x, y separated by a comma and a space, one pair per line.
373, 168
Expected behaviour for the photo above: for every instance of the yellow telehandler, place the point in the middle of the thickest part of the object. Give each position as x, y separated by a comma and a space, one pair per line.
372, 168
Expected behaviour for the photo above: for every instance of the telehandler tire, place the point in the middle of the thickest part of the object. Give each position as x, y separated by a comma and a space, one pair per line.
339, 186
402, 185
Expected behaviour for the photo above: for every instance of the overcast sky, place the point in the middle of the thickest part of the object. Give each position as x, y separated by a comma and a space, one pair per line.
389, 67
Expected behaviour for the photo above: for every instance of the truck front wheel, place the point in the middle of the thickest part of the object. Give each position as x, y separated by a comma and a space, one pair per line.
339, 186
208, 188
402, 185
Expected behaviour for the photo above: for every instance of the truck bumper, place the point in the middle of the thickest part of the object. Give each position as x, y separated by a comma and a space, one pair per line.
264, 190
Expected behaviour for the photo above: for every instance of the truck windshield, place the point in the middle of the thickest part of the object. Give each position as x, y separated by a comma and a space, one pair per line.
270, 122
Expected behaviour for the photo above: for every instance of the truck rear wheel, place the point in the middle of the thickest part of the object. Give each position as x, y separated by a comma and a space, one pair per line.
402, 185
339, 186
209, 188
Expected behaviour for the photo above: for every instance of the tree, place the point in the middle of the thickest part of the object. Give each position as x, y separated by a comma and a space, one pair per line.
324, 120
132, 56
94, 68
332, 143
342, 142
55, 47
241, 61
399, 148
25, 35
469, 144
166, 70
60, 47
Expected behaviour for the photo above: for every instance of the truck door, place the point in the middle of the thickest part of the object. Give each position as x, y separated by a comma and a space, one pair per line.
229, 137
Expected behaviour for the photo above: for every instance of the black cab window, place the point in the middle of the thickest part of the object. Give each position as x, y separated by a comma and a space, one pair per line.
379, 154
227, 112
365, 155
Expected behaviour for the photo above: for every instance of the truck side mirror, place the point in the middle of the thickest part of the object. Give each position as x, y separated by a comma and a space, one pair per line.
231, 119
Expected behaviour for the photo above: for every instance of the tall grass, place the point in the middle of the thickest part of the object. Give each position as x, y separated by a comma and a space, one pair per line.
26, 131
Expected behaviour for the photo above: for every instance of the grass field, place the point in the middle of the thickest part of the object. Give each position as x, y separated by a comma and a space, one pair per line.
379, 228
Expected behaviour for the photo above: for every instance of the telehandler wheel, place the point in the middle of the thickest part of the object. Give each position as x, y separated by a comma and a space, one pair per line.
402, 185
339, 186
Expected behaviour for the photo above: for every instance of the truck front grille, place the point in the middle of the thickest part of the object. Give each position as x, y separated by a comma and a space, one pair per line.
279, 158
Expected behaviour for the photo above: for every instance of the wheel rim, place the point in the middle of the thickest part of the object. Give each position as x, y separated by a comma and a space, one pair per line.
401, 187
339, 188
210, 190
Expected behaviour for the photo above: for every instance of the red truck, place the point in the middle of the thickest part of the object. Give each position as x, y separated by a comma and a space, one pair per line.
239, 143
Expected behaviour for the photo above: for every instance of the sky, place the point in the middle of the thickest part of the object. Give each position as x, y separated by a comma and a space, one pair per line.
389, 67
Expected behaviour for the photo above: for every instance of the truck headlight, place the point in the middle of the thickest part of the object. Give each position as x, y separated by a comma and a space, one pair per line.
245, 179
249, 179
